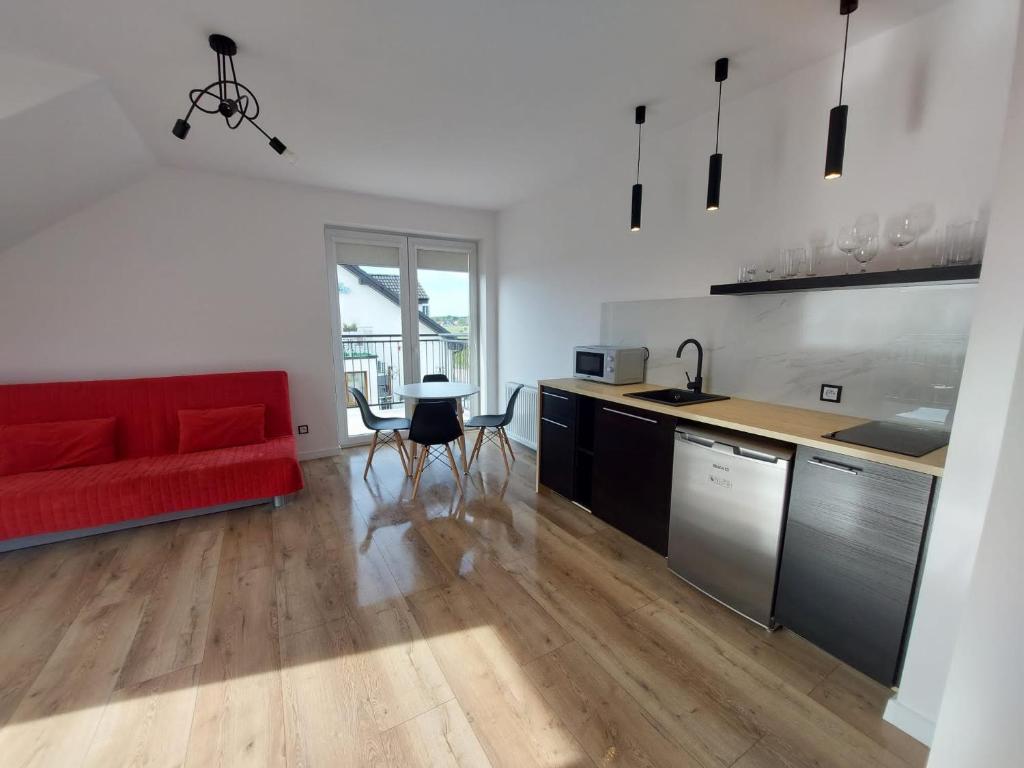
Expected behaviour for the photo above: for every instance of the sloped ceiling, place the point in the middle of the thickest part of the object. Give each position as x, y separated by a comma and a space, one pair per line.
64, 142
469, 102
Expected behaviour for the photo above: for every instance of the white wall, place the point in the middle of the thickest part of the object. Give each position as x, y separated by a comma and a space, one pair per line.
976, 465
927, 102
982, 708
190, 272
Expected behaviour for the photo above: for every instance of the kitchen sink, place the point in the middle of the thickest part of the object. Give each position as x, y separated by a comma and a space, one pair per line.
676, 396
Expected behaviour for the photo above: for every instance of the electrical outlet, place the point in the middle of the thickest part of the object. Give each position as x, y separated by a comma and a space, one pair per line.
831, 393
303, 429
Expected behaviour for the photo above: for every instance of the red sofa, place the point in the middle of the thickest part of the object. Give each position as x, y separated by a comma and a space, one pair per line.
149, 481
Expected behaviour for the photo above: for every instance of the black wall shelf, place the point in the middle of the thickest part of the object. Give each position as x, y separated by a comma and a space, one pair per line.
968, 273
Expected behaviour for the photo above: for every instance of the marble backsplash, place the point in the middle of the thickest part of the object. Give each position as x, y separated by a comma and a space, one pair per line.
893, 350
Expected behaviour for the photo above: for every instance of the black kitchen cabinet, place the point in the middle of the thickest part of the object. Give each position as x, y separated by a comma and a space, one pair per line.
851, 556
558, 441
632, 472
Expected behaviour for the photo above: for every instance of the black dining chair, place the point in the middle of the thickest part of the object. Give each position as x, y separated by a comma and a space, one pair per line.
432, 377
434, 424
385, 431
496, 424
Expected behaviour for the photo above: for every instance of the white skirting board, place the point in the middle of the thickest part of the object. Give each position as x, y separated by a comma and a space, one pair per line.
909, 721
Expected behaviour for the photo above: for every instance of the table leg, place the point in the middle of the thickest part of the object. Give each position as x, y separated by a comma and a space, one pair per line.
462, 437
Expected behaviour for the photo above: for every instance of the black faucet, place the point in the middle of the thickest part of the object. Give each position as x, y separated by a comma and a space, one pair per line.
696, 383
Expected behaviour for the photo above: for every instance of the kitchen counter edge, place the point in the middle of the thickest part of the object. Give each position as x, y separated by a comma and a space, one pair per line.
800, 426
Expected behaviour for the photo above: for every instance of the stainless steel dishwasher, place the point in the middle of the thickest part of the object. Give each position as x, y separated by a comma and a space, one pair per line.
728, 511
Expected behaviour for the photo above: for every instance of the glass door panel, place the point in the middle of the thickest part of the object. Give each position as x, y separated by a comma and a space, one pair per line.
371, 324
446, 311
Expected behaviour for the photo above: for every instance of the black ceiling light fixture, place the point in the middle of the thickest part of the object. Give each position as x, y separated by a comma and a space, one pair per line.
227, 97
837, 117
715, 166
638, 188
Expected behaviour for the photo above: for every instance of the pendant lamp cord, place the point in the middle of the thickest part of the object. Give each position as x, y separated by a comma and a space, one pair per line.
718, 122
639, 140
846, 42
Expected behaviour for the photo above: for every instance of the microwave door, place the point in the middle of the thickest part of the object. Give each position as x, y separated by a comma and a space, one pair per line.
590, 364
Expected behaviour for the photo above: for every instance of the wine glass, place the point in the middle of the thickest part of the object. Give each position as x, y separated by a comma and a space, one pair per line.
769, 264
866, 251
866, 225
848, 243
901, 233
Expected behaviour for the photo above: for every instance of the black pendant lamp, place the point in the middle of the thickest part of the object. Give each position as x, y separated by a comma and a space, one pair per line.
638, 188
837, 118
229, 98
715, 166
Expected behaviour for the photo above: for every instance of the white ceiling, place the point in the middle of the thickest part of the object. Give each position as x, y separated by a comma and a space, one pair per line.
468, 102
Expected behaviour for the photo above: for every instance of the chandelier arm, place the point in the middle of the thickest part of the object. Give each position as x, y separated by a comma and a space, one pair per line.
234, 79
207, 91
220, 79
256, 125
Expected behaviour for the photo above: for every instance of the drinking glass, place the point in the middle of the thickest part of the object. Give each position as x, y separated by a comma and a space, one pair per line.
902, 233
747, 273
960, 242
796, 261
820, 246
848, 243
769, 264
866, 225
866, 251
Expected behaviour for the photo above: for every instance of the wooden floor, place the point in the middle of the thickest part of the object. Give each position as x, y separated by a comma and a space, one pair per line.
353, 627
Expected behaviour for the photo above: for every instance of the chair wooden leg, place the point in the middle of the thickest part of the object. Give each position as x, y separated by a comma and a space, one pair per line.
369, 459
504, 456
419, 471
476, 446
401, 452
508, 442
451, 463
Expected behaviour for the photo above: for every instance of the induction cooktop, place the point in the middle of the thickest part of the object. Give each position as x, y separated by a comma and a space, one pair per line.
907, 438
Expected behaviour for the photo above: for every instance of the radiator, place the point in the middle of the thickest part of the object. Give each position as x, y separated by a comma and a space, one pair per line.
523, 428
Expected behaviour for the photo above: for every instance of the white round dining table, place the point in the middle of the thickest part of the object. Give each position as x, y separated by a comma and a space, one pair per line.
441, 390
436, 390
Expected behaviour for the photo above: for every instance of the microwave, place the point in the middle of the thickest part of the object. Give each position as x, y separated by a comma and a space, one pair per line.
611, 365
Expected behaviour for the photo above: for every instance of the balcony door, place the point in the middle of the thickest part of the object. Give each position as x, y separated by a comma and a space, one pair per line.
401, 307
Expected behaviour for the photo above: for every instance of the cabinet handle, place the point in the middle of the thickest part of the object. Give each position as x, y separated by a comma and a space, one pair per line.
552, 394
549, 421
630, 415
834, 467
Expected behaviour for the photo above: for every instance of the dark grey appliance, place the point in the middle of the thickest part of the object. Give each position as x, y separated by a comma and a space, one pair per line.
728, 512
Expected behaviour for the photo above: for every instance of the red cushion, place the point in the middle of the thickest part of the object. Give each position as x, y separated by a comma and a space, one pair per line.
212, 428
86, 497
56, 444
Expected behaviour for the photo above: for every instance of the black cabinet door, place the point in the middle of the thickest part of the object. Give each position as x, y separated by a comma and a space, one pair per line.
632, 485
850, 558
558, 441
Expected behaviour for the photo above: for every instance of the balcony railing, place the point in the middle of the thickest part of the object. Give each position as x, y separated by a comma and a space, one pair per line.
373, 362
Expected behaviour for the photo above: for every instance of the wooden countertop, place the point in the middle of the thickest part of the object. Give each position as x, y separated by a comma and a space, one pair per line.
799, 426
